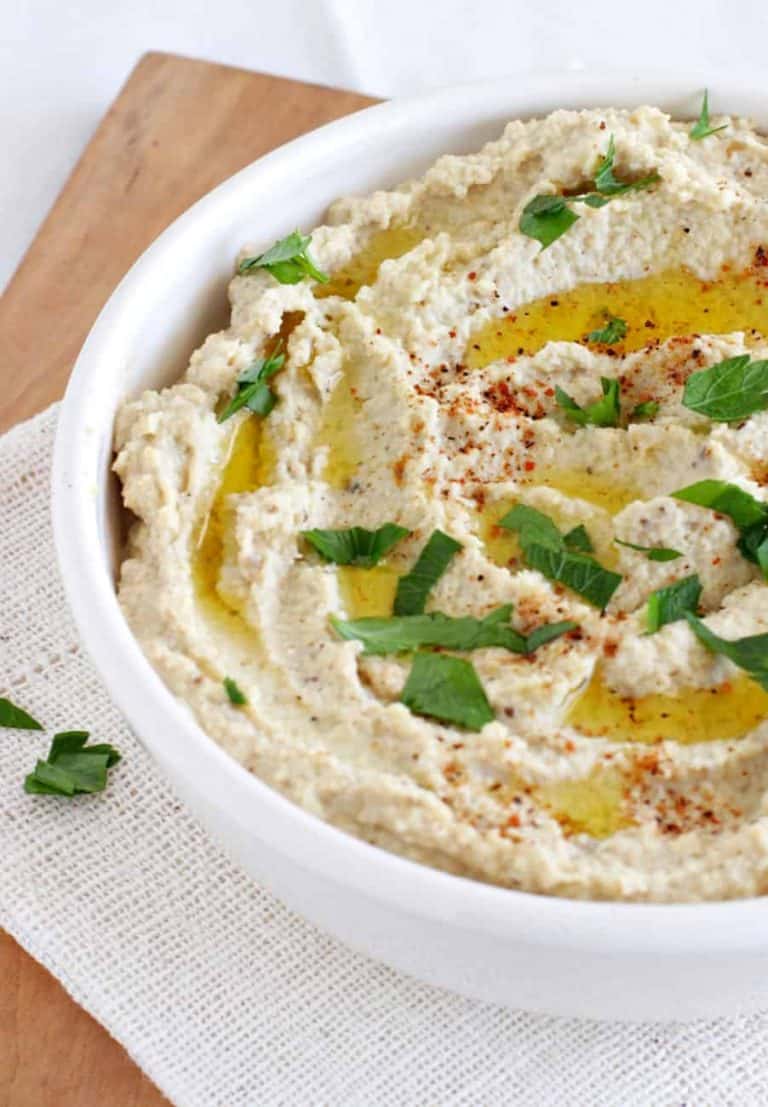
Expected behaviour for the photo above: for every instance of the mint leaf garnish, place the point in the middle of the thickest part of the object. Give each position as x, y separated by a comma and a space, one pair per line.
288, 261
733, 389
578, 540
581, 573
749, 654
544, 549
404, 633
356, 545
753, 544
532, 527
415, 586
725, 499
446, 688
749, 516
666, 605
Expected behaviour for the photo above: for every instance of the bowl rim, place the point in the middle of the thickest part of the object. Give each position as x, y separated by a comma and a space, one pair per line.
682, 929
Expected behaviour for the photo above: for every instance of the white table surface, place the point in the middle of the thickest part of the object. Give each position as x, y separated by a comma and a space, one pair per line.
62, 61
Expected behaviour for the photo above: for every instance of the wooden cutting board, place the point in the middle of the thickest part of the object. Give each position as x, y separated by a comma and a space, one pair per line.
177, 128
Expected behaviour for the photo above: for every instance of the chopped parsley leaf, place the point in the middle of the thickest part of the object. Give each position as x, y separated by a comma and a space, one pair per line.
72, 767
252, 391
288, 261
547, 216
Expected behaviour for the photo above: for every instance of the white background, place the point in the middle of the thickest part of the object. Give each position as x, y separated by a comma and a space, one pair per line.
62, 62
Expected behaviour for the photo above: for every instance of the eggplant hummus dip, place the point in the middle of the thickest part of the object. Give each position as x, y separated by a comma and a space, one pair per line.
458, 534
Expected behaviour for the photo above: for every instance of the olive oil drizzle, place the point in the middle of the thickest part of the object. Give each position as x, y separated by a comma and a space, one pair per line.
660, 306
338, 432
248, 463
723, 713
595, 805
605, 491
362, 269
367, 592
608, 491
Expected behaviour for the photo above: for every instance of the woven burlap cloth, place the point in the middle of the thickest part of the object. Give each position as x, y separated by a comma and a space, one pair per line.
220, 994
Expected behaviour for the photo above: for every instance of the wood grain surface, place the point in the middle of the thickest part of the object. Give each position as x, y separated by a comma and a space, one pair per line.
178, 128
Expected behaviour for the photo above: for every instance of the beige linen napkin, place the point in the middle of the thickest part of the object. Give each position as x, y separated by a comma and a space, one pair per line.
221, 995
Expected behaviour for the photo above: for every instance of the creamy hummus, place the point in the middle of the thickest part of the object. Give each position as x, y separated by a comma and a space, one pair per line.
419, 388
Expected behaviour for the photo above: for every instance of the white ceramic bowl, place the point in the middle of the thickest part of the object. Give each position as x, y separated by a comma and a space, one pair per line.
606, 960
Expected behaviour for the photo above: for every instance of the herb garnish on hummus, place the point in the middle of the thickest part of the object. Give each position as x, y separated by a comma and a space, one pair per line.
356, 545
646, 410
701, 128
415, 586
403, 633
727, 499
613, 330
749, 516
578, 540
653, 553
750, 654
547, 217
605, 412
236, 696
545, 549
253, 391
733, 389
288, 260
666, 605
447, 688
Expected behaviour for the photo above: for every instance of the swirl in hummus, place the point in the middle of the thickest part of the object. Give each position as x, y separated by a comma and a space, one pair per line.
424, 386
